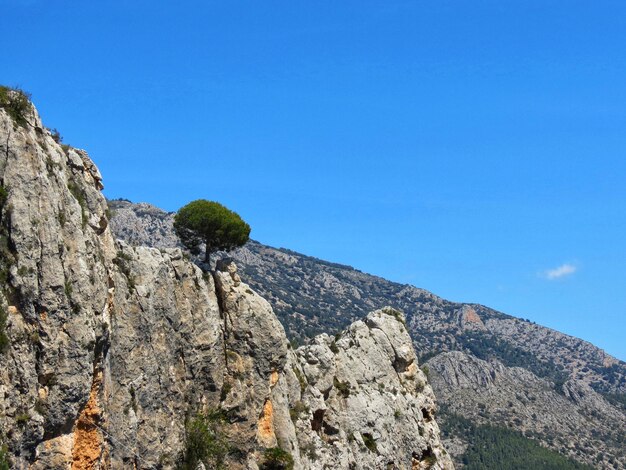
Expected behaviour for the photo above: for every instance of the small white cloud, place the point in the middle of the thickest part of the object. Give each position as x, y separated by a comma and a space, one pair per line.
560, 272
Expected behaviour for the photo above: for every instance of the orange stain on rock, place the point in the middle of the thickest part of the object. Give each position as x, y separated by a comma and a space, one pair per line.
87, 437
265, 429
471, 316
273, 378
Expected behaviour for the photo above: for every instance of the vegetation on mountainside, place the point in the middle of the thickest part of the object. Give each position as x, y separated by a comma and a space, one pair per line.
612, 377
486, 345
496, 448
205, 442
276, 458
16, 103
209, 222
617, 399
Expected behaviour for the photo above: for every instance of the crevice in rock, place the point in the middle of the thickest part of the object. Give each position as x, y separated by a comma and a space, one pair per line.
7, 144
329, 429
219, 295
424, 459
318, 420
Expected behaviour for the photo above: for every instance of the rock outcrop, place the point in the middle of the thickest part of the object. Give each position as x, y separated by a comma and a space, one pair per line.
111, 353
367, 404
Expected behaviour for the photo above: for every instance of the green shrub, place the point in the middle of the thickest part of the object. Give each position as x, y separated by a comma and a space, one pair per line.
5, 463
342, 387
56, 136
78, 194
16, 103
211, 223
276, 459
298, 408
370, 442
301, 379
205, 442
68, 289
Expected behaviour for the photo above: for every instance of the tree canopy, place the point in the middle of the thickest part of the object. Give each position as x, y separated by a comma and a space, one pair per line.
210, 223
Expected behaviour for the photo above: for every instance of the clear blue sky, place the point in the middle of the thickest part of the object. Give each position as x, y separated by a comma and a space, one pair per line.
473, 148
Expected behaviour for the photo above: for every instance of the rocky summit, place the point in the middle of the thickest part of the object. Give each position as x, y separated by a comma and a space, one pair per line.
117, 354
502, 374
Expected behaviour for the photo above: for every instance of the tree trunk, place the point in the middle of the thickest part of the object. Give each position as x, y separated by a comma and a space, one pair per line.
207, 254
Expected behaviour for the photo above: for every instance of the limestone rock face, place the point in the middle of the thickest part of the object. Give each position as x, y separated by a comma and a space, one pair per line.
56, 266
367, 404
164, 357
256, 352
113, 349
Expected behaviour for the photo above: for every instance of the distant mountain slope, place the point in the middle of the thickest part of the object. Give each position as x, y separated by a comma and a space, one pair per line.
559, 390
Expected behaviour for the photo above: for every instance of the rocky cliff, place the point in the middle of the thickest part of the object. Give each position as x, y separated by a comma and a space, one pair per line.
123, 356
488, 367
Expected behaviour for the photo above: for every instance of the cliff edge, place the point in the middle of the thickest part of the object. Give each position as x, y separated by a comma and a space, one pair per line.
119, 356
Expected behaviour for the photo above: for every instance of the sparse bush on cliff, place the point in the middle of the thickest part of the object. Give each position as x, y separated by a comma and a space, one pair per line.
297, 410
276, 459
56, 135
16, 103
369, 442
205, 442
342, 387
211, 223
79, 195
